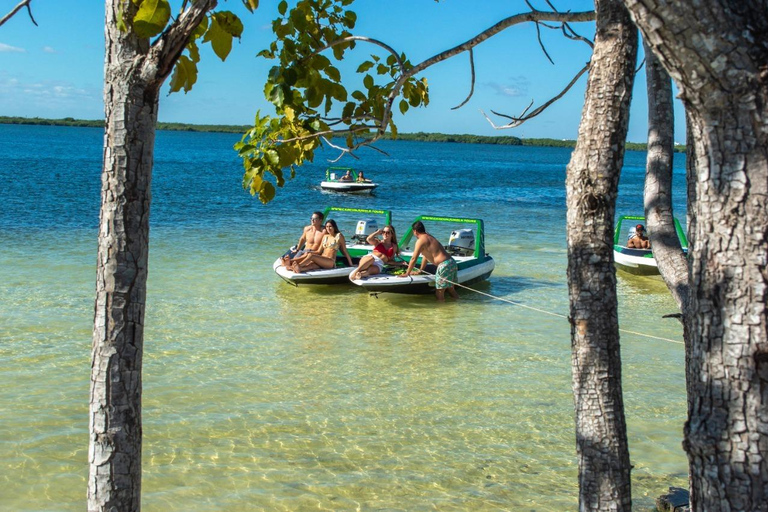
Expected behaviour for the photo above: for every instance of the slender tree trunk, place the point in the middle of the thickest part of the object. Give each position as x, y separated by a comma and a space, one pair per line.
592, 185
115, 412
717, 51
659, 214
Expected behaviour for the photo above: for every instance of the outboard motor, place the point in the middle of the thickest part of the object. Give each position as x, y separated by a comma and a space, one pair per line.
365, 228
461, 243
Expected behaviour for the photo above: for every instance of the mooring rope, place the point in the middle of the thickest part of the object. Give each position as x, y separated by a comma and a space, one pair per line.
519, 304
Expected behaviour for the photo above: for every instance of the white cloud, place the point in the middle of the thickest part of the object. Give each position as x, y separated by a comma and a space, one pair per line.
517, 86
6, 48
48, 98
48, 49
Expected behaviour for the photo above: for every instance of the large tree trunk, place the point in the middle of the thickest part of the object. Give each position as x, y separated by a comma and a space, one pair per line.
592, 184
716, 51
118, 334
659, 214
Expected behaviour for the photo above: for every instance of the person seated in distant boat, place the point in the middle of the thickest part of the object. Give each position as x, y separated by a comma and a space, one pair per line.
332, 242
639, 240
432, 251
361, 178
309, 241
384, 253
347, 176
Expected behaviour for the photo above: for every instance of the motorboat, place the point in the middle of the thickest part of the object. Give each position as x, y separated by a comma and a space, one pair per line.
346, 179
465, 243
368, 221
638, 261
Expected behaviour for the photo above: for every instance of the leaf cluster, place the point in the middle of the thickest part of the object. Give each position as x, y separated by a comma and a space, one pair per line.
151, 18
311, 102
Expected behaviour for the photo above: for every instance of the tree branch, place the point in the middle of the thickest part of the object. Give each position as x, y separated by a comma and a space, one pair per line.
366, 40
168, 47
23, 3
523, 117
472, 86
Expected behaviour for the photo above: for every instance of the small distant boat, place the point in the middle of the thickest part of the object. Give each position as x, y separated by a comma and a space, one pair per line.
356, 246
465, 245
637, 261
346, 179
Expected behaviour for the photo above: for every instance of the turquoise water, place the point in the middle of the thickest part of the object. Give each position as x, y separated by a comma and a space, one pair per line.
259, 395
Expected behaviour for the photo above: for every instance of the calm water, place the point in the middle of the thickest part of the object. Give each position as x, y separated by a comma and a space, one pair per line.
259, 395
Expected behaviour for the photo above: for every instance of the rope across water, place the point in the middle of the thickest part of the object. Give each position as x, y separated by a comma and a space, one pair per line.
514, 303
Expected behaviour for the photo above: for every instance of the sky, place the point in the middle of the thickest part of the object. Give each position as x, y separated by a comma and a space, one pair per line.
56, 69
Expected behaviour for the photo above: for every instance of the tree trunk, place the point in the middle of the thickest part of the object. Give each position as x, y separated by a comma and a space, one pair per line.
592, 185
659, 214
717, 51
114, 481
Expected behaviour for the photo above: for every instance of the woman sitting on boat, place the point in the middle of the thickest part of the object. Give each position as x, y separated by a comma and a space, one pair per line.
332, 242
384, 253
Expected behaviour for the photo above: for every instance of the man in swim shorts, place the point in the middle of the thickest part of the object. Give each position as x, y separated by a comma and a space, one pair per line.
432, 251
309, 241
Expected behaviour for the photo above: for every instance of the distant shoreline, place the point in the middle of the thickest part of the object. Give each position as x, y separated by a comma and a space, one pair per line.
419, 136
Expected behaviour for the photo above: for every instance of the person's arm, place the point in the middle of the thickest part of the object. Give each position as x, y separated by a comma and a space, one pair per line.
343, 246
372, 236
302, 240
414, 258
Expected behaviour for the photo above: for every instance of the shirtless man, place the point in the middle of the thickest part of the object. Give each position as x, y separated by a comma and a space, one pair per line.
309, 241
433, 252
639, 240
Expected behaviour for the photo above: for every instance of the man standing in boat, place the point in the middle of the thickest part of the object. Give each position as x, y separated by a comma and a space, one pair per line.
432, 251
309, 241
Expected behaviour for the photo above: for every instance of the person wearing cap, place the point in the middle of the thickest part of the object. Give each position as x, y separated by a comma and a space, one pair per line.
639, 240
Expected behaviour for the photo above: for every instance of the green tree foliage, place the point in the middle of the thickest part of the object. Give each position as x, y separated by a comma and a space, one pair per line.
310, 101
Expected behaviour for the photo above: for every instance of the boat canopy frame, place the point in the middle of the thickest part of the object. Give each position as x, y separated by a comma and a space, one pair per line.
342, 170
386, 213
479, 231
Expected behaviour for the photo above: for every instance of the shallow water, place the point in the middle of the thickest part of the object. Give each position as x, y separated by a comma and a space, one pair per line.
260, 395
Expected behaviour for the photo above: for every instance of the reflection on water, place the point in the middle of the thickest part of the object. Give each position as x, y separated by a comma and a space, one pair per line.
260, 395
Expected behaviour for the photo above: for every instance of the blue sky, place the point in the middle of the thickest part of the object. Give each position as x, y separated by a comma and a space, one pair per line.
56, 69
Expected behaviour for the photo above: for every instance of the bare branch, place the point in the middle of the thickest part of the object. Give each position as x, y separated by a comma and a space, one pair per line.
366, 40
23, 3
344, 151
472, 86
541, 43
571, 34
517, 121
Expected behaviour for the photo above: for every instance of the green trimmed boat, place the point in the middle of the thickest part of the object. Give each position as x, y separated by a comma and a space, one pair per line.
346, 179
368, 221
465, 243
638, 261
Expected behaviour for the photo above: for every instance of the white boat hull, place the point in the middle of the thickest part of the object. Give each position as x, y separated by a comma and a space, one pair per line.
473, 270
320, 276
348, 186
634, 261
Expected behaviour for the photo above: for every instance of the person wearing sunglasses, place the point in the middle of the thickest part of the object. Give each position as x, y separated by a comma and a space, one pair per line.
332, 242
309, 241
384, 253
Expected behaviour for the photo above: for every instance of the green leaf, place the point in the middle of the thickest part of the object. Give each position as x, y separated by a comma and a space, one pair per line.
151, 18
359, 96
333, 74
277, 96
229, 23
382, 69
267, 192
368, 81
251, 5
184, 75
282, 7
194, 51
403, 106
220, 39
365, 66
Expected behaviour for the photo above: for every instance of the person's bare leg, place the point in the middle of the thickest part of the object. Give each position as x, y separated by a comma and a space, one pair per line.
452, 292
440, 294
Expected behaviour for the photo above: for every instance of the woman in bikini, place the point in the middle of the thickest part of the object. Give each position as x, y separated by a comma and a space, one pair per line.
332, 242
384, 253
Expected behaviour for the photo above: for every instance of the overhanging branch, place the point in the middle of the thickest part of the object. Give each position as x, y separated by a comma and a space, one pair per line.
24, 3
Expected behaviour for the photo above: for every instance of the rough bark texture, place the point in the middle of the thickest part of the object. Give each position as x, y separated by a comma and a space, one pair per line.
659, 214
115, 412
133, 73
592, 184
717, 52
